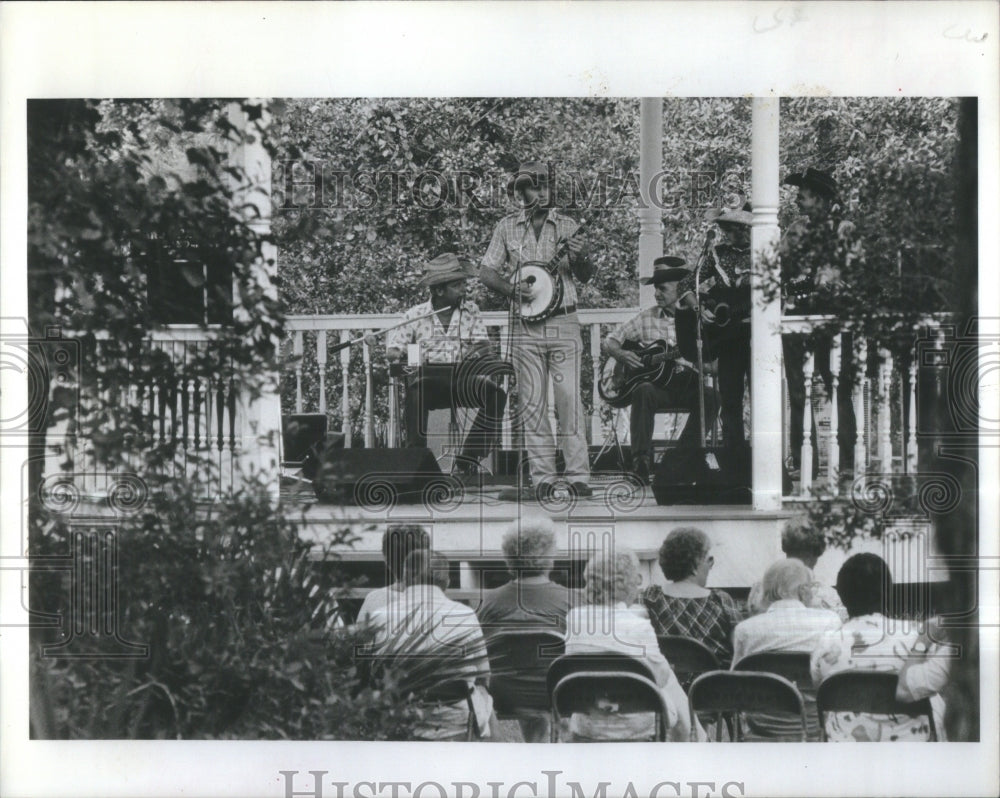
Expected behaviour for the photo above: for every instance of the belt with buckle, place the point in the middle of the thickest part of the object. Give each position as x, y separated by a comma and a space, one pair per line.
563, 311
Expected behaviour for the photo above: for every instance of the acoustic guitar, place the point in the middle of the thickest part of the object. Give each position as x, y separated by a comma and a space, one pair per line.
618, 380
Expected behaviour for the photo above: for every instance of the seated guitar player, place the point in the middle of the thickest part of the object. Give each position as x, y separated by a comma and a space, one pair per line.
678, 387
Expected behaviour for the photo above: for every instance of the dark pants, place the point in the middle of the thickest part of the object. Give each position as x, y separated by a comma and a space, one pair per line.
681, 393
795, 349
734, 381
464, 388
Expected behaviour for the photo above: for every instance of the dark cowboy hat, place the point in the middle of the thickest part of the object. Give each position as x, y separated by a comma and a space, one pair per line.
819, 180
445, 268
667, 269
530, 172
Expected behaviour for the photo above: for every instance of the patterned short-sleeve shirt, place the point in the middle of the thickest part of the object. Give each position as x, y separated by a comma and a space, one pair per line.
870, 642
514, 244
437, 344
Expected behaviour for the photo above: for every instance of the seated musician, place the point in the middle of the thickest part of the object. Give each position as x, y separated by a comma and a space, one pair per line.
681, 388
455, 336
725, 281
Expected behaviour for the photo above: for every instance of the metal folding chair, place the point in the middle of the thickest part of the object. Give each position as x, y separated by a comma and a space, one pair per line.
794, 666
576, 682
688, 657
872, 692
519, 662
733, 692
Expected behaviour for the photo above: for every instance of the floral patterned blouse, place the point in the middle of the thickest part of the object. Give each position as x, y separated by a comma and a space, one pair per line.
872, 642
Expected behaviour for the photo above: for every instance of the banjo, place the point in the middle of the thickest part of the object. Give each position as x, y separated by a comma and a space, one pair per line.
545, 279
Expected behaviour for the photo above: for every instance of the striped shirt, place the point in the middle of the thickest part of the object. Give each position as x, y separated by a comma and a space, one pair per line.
438, 345
514, 244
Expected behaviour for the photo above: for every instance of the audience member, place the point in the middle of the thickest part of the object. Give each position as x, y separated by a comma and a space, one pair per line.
786, 624
444, 640
869, 640
397, 543
800, 541
607, 623
531, 600
685, 606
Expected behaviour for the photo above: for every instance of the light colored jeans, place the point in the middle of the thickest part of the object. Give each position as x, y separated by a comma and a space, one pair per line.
551, 348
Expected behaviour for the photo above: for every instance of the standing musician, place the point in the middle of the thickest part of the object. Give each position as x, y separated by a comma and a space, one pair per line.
647, 327
726, 277
551, 346
455, 335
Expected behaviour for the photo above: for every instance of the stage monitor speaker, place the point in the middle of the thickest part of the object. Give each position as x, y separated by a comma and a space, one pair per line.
381, 477
303, 436
687, 476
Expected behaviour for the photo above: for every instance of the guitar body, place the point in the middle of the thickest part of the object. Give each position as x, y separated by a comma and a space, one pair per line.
618, 381
548, 291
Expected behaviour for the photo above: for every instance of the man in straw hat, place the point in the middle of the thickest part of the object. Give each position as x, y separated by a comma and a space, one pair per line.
647, 327
451, 332
551, 347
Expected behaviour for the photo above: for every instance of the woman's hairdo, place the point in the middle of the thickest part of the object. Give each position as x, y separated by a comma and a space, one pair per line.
528, 546
397, 543
864, 584
800, 538
612, 577
681, 552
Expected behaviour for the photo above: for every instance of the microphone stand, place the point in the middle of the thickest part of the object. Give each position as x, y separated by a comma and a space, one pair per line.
709, 458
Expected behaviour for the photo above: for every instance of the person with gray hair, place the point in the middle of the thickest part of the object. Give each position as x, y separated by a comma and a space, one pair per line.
803, 542
787, 624
398, 541
529, 601
611, 622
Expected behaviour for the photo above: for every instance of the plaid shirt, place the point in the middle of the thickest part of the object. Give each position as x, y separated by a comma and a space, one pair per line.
438, 345
514, 243
710, 620
647, 327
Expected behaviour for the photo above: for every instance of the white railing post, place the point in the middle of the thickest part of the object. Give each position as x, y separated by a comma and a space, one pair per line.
833, 449
345, 398
369, 420
807, 418
911, 426
858, 393
765, 375
321, 363
885, 410
297, 349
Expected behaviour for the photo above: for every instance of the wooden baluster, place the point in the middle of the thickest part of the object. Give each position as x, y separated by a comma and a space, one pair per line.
297, 351
911, 426
807, 416
369, 420
858, 392
885, 410
833, 453
345, 399
596, 433
321, 363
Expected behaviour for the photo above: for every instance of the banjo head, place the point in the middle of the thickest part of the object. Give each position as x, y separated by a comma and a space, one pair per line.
548, 293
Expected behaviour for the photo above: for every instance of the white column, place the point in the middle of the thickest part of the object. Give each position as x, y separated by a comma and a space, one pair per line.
858, 393
765, 376
833, 450
261, 417
650, 162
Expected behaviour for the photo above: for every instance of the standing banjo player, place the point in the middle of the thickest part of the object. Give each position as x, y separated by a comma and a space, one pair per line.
526, 247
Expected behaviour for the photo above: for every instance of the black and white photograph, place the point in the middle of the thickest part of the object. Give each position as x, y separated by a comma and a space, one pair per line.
376, 422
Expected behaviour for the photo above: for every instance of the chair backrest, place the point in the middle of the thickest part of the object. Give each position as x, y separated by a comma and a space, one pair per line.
624, 691
872, 692
745, 691
519, 663
793, 665
598, 662
688, 657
